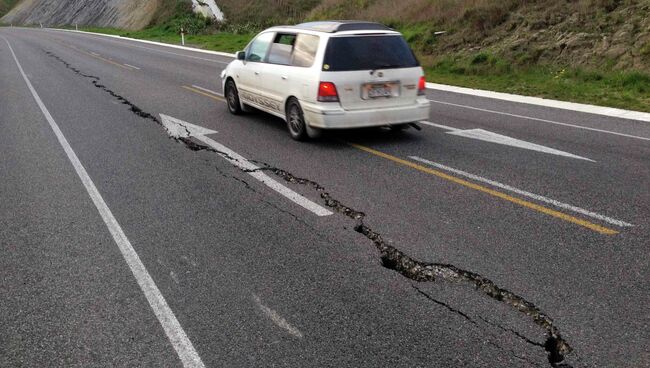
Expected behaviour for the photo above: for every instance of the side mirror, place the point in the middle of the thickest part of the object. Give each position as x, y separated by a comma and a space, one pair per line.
241, 55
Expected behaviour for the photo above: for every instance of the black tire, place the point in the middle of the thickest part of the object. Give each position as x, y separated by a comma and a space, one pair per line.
296, 120
232, 98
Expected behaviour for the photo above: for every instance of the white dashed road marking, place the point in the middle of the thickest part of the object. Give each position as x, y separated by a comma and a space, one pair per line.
276, 318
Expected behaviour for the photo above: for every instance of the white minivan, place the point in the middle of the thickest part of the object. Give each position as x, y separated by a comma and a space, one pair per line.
328, 75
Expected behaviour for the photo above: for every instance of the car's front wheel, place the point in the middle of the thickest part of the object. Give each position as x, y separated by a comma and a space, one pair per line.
232, 98
296, 120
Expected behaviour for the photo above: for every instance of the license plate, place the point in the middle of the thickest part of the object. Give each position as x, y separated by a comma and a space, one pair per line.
383, 90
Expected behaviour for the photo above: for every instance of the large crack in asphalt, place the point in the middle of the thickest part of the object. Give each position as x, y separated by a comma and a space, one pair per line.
394, 259
391, 257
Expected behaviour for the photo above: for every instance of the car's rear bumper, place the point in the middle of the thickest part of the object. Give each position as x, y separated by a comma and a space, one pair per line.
325, 116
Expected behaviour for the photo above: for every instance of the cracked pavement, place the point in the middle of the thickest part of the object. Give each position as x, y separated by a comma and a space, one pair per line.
214, 241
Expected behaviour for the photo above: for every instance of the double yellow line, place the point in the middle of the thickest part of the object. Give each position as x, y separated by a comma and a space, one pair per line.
492, 192
214, 97
101, 58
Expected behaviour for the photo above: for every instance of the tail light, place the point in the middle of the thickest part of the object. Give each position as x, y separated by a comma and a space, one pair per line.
422, 85
327, 92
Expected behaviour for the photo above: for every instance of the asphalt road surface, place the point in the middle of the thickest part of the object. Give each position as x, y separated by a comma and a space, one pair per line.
500, 235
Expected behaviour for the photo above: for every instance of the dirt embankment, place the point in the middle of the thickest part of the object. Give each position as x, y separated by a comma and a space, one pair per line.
612, 33
126, 14
598, 33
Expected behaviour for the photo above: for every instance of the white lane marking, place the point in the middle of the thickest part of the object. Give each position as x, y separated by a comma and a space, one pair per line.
542, 120
208, 90
182, 129
131, 66
179, 340
525, 193
178, 128
155, 43
573, 106
94, 53
276, 318
487, 136
439, 125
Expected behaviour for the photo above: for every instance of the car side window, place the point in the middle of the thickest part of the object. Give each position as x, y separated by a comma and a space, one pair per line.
259, 47
304, 51
281, 49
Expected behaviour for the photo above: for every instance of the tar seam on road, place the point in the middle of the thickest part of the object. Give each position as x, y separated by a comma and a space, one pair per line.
492, 192
524, 193
542, 120
177, 336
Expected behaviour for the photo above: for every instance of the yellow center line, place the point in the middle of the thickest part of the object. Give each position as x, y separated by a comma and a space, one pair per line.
100, 58
218, 98
108, 61
465, 183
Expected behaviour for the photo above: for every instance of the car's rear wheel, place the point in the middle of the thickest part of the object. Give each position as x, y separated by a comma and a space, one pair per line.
296, 120
232, 98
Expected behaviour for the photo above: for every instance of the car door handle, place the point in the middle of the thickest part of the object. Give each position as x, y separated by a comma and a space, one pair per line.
285, 77
257, 73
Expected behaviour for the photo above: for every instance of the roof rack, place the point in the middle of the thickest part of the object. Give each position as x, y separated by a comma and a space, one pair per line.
344, 25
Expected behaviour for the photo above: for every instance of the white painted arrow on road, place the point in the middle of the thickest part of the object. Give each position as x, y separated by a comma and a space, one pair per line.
180, 129
487, 136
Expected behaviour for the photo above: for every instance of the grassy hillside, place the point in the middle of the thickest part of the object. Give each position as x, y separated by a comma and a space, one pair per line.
6, 5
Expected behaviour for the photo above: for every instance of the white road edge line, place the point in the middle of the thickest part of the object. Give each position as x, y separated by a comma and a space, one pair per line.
572, 106
157, 44
177, 336
529, 100
276, 318
542, 120
208, 90
524, 193
131, 66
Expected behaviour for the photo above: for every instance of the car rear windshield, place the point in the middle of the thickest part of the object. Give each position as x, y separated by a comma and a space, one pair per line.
368, 53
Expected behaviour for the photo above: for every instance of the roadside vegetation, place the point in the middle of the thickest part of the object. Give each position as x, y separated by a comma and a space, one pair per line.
6, 5
589, 51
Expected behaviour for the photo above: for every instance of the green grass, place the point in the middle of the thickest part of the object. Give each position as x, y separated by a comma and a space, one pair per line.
6, 5
621, 89
626, 90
